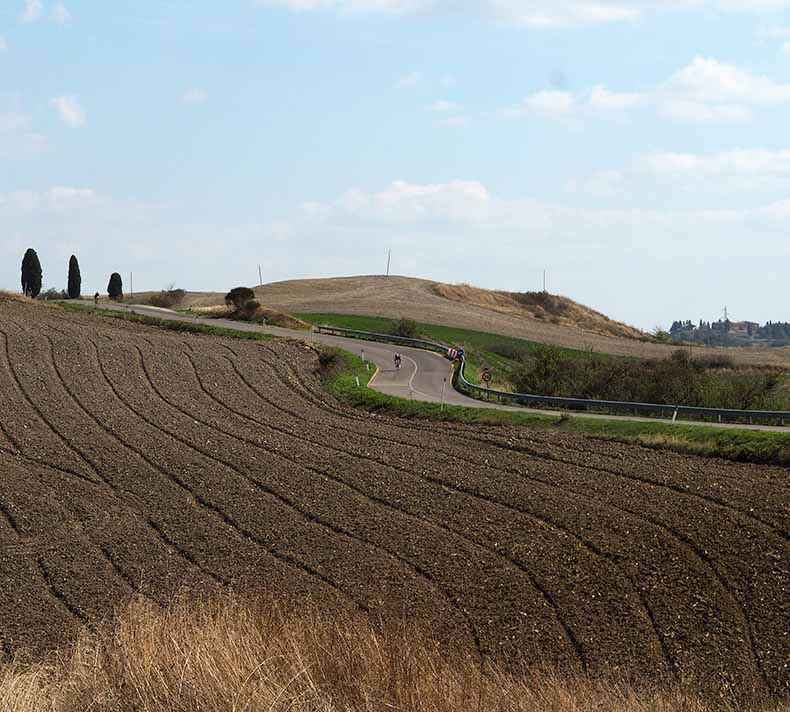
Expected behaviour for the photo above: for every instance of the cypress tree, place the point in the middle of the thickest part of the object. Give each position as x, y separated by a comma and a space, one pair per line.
31, 274
75, 279
115, 287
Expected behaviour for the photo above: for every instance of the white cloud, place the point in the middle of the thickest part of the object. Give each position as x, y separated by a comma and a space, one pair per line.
736, 176
60, 13
601, 99
69, 109
550, 103
534, 14
454, 122
194, 96
32, 12
409, 81
443, 106
3, 44
452, 231
704, 91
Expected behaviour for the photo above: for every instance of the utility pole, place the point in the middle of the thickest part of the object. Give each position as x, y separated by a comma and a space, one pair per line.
260, 275
544, 280
389, 259
131, 284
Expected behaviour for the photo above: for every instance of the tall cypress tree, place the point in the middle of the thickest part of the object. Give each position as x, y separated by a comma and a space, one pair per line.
31, 274
115, 287
75, 279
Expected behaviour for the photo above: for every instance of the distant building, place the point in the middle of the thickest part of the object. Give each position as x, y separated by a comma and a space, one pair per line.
743, 328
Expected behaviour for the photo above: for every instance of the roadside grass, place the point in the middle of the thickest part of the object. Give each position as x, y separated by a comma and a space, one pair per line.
502, 354
231, 653
167, 324
741, 445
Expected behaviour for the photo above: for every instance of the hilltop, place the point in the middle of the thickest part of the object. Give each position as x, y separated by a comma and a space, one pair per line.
533, 316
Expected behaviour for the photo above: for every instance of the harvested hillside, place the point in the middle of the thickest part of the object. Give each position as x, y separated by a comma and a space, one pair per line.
135, 460
419, 300
405, 297
541, 306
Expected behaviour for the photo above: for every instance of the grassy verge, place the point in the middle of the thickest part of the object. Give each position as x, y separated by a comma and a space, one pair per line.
168, 324
728, 443
229, 653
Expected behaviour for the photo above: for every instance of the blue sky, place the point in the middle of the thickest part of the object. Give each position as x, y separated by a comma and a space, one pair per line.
637, 150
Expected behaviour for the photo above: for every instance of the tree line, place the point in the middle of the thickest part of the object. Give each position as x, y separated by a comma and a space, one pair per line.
722, 333
32, 279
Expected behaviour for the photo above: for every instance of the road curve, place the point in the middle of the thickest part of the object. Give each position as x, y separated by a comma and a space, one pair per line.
423, 376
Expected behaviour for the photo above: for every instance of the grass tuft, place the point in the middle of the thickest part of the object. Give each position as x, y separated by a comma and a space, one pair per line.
232, 654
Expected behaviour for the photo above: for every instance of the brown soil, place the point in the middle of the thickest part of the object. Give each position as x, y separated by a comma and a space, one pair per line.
138, 460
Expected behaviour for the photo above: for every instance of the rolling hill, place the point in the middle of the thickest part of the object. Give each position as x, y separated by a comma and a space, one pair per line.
535, 316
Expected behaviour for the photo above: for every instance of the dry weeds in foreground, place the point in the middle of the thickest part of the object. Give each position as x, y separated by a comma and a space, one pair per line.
230, 656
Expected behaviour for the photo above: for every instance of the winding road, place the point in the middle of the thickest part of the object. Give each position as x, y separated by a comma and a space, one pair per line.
423, 376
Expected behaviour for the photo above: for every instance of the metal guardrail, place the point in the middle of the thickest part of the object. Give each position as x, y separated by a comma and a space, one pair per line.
628, 407
384, 338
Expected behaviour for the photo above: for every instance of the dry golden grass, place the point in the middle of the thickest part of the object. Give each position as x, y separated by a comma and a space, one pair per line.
272, 317
541, 306
228, 655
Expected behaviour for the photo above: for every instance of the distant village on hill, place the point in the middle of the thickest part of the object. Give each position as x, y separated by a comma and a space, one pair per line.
731, 333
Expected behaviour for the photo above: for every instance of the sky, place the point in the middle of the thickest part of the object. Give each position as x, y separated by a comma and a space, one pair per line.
636, 151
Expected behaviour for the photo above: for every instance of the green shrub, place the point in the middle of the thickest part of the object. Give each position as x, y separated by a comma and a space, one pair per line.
74, 278
115, 286
238, 297
405, 328
167, 298
31, 274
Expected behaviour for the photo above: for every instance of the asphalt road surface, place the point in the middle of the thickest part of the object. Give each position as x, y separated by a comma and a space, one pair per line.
423, 375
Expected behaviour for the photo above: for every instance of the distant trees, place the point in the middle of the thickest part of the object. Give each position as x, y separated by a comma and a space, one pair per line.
115, 286
31, 274
75, 279
239, 297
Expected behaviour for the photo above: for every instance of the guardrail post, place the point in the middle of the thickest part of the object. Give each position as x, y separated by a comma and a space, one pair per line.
675, 416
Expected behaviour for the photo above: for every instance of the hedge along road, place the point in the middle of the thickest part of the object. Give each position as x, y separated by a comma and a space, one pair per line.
423, 375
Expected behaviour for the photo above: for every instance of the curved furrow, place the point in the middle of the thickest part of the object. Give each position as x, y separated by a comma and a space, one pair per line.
307, 515
471, 435
27, 399
689, 546
96, 469
441, 483
714, 501
58, 593
321, 473
197, 498
112, 490
123, 498
47, 518
217, 578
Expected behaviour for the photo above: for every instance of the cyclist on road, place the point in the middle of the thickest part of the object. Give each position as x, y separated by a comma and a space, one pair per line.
96, 299
397, 360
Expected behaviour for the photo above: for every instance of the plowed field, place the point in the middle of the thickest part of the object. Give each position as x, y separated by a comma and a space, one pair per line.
141, 460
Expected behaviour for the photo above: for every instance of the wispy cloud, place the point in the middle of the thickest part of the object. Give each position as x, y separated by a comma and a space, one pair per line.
35, 10
534, 14
3, 44
60, 14
70, 110
704, 91
194, 96
412, 80
32, 11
